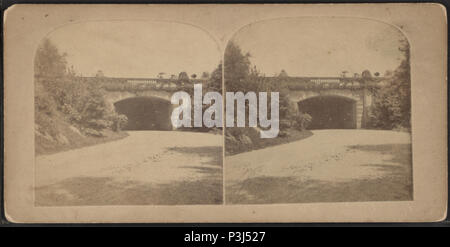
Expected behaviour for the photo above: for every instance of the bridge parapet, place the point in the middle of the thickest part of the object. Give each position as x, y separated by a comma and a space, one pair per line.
320, 83
144, 84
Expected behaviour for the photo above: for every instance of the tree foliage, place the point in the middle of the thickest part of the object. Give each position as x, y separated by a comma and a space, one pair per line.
61, 94
183, 77
49, 62
237, 69
215, 80
205, 75
392, 102
283, 74
240, 75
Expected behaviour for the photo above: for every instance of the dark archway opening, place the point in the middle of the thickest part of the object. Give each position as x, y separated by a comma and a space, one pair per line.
330, 112
146, 113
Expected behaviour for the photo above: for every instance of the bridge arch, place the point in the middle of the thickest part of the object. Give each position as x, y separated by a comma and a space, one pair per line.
116, 96
146, 112
299, 95
330, 111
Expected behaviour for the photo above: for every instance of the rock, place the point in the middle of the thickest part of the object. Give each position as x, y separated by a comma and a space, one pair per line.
230, 139
45, 136
60, 138
244, 139
74, 129
92, 132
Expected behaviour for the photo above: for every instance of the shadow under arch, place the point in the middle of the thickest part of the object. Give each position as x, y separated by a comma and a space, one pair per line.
330, 112
145, 113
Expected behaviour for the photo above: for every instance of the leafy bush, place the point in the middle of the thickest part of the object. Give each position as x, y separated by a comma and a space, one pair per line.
285, 124
98, 124
241, 139
60, 92
392, 102
92, 132
44, 113
240, 76
118, 121
302, 121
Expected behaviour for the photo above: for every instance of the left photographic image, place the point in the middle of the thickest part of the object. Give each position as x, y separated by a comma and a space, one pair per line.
105, 113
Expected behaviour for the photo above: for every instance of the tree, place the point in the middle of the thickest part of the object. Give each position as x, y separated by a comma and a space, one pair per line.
237, 68
215, 80
388, 73
59, 93
376, 74
161, 75
241, 76
392, 102
283, 74
366, 74
205, 75
183, 76
99, 74
49, 62
193, 76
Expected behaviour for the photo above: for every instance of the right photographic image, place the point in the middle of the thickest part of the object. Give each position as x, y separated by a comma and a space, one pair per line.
342, 129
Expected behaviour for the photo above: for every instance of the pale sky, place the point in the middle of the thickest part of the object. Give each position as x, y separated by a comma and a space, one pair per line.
321, 46
137, 48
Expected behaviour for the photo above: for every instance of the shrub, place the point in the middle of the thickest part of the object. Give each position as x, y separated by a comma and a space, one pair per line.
241, 139
285, 124
283, 133
80, 102
302, 121
92, 132
118, 121
44, 105
391, 107
44, 113
98, 124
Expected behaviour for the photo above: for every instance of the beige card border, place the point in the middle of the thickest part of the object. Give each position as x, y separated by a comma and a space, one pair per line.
423, 24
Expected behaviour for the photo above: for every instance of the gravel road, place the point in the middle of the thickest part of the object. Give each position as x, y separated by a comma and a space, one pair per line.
331, 165
147, 167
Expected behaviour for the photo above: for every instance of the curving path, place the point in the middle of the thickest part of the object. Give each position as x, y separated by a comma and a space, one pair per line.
147, 167
331, 165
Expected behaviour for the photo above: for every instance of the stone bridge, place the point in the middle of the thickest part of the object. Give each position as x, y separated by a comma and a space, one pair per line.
345, 107
145, 101
122, 88
333, 102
